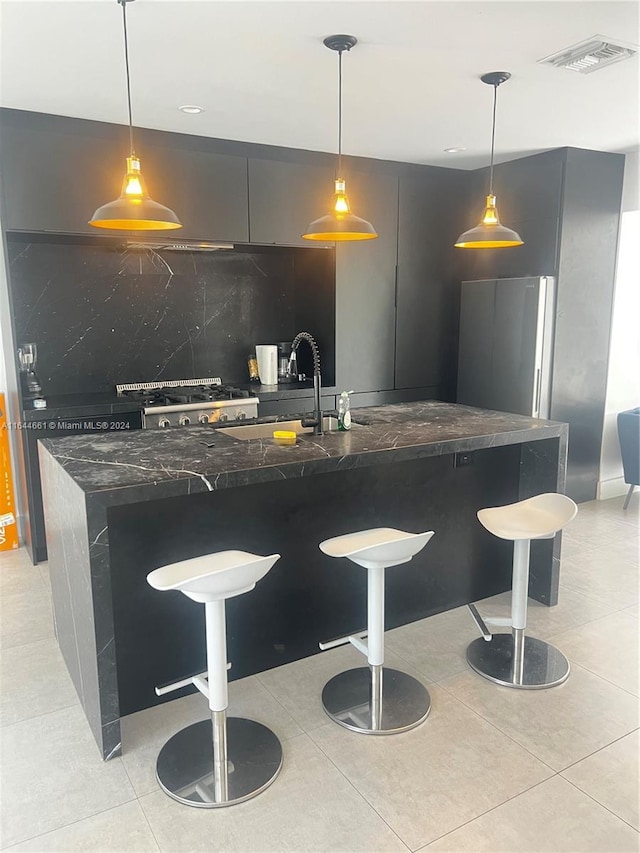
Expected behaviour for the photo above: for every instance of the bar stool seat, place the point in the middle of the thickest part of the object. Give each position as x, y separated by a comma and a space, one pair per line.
375, 699
513, 659
213, 576
219, 761
539, 517
381, 546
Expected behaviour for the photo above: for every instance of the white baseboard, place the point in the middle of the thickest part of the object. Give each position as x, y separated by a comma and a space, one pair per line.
611, 489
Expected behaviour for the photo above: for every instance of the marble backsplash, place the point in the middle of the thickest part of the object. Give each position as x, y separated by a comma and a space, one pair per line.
102, 314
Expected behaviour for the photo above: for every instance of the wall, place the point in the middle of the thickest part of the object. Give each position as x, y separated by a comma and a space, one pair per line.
103, 314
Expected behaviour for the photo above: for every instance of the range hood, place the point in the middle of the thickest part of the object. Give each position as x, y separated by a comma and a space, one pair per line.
178, 246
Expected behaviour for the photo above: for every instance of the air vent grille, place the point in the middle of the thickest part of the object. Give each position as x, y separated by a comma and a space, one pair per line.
592, 55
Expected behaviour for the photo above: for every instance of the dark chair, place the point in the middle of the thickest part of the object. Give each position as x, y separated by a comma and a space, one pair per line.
629, 437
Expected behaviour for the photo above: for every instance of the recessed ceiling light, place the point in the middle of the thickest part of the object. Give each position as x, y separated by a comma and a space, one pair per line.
454, 150
191, 109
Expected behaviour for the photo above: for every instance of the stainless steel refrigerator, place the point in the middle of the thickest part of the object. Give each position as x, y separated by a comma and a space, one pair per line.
506, 344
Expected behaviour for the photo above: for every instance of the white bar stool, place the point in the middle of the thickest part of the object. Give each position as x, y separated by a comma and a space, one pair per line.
216, 762
516, 660
374, 699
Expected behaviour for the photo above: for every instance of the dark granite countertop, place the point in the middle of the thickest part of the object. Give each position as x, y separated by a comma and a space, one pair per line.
150, 464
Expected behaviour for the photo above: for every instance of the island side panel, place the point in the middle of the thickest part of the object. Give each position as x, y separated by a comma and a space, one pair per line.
544, 469
307, 597
71, 584
100, 568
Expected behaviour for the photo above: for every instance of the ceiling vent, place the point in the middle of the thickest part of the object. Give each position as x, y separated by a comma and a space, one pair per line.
591, 55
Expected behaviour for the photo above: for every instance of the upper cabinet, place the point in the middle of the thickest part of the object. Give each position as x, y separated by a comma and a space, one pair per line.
529, 194
429, 274
208, 191
284, 198
366, 286
53, 181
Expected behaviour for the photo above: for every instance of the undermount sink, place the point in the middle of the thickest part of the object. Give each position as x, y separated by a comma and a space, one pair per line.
245, 433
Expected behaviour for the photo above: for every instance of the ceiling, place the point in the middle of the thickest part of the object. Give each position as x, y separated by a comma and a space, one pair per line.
259, 69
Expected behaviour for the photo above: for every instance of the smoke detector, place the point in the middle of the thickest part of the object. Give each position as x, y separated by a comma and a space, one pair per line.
591, 55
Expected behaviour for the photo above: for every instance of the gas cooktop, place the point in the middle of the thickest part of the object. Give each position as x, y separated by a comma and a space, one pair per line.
171, 396
183, 402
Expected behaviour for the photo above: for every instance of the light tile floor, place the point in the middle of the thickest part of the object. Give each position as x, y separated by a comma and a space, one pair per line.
491, 769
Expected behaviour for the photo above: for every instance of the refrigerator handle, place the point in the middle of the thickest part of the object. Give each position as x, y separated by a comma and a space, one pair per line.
536, 402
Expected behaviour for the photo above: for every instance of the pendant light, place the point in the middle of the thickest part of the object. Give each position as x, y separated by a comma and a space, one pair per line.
134, 210
340, 224
489, 233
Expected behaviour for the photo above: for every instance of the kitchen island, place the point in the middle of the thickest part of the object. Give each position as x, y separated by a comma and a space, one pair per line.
118, 506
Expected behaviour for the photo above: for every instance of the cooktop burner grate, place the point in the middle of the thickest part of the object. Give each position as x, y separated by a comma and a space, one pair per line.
175, 393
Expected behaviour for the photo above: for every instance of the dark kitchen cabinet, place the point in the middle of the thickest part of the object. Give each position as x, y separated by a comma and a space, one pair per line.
429, 275
53, 180
529, 194
586, 276
538, 255
365, 287
284, 198
207, 190
528, 188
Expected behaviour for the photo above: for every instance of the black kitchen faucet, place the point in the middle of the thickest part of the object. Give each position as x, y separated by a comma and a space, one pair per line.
316, 420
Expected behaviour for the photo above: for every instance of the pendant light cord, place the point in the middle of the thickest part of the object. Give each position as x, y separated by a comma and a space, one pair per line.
340, 175
493, 137
126, 63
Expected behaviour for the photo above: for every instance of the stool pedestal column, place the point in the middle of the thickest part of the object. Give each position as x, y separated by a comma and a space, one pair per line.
375, 699
516, 660
220, 761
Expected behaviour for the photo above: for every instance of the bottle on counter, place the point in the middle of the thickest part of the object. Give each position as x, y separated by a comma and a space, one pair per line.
252, 365
344, 411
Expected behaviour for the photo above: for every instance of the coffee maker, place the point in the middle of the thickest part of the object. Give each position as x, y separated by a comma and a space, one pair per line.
284, 355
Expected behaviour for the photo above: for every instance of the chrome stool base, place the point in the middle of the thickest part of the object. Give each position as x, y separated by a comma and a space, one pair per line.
185, 767
376, 700
538, 665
